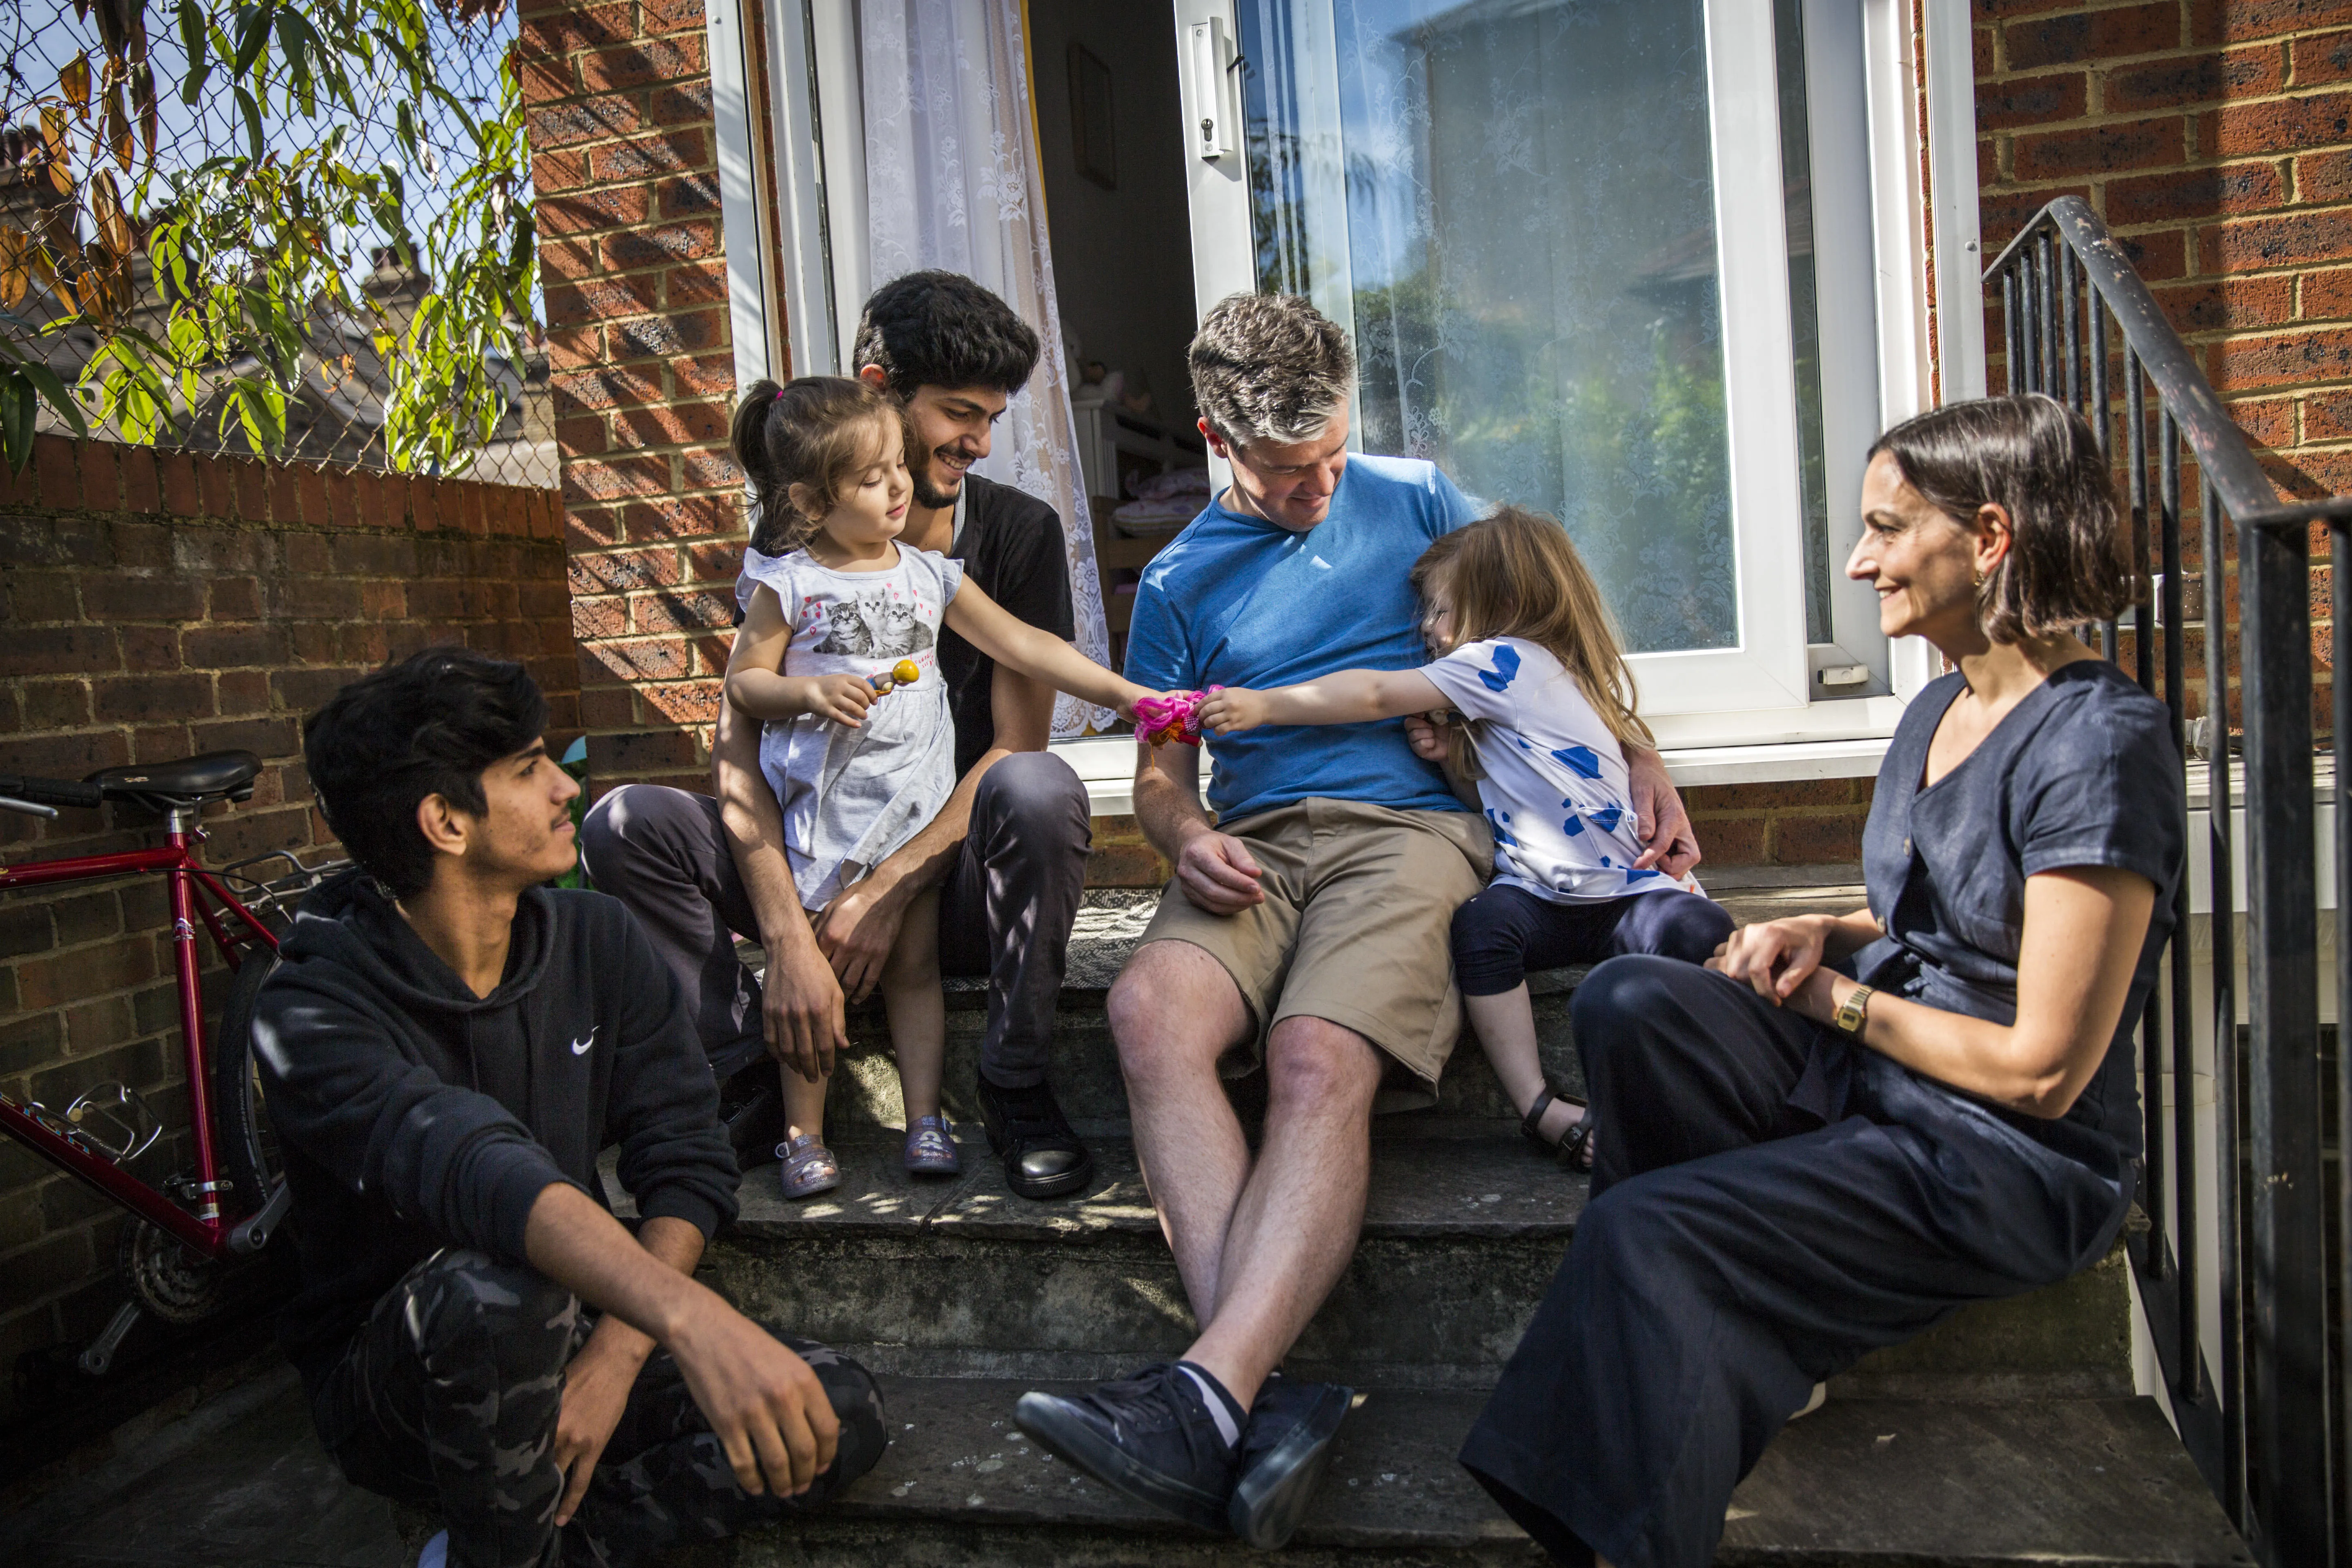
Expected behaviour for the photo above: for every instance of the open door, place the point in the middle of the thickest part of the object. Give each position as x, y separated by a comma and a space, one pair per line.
1586, 249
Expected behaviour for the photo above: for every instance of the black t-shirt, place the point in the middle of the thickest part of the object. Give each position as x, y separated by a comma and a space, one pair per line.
1011, 544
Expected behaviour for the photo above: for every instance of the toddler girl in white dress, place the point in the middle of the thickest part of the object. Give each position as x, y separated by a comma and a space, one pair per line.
838, 656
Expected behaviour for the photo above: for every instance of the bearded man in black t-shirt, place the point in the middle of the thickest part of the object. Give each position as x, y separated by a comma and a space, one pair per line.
1008, 850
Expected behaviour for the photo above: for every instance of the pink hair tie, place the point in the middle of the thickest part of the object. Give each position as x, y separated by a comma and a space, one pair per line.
1159, 719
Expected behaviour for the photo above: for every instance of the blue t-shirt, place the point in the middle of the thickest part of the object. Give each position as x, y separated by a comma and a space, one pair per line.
1236, 601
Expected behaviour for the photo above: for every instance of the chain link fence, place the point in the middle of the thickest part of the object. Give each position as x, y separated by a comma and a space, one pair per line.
127, 127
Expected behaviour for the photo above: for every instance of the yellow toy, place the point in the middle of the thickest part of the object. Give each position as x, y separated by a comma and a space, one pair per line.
906, 672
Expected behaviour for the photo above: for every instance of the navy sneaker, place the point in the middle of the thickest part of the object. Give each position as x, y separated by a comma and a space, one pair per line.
1152, 1436
1285, 1450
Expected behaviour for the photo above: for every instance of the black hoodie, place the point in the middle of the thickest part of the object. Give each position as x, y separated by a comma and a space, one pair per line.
415, 1115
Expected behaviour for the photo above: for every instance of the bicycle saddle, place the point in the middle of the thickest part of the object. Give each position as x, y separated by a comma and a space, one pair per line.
213, 775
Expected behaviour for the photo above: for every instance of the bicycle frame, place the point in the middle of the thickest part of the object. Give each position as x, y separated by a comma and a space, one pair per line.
45, 1133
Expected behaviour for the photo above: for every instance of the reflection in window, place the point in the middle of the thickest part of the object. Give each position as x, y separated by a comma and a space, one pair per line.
1511, 204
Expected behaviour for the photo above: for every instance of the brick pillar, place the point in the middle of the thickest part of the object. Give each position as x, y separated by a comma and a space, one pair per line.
2215, 138
624, 162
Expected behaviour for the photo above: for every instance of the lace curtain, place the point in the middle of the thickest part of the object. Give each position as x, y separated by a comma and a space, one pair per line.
952, 181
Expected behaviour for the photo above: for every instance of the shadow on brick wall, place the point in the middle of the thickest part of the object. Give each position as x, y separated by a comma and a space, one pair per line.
153, 606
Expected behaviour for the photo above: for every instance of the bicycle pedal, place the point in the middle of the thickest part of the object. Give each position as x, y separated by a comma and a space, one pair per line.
111, 1120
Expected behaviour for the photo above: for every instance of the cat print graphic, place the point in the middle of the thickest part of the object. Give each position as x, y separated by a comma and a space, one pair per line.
875, 625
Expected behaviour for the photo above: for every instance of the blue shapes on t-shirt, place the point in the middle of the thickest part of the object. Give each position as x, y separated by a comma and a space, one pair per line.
1506, 670
1502, 833
1573, 826
1581, 760
1633, 876
1606, 861
1607, 818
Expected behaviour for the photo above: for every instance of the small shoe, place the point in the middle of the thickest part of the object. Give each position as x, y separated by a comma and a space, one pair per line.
1043, 1158
931, 1148
436, 1554
1285, 1450
1574, 1150
1151, 1436
809, 1167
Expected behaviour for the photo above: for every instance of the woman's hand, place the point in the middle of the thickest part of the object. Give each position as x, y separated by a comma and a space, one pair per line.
843, 699
1234, 709
1775, 957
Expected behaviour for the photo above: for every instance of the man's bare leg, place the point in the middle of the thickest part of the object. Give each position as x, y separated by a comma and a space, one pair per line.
1173, 1012
1294, 1229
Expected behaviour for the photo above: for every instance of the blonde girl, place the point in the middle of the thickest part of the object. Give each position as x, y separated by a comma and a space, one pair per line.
1538, 707
838, 658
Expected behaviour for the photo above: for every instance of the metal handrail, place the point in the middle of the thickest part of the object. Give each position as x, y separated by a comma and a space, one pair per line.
2220, 447
2273, 1434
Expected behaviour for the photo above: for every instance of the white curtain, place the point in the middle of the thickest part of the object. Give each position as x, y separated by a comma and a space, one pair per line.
952, 181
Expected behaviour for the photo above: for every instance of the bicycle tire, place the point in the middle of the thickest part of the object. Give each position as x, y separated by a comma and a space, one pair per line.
242, 1139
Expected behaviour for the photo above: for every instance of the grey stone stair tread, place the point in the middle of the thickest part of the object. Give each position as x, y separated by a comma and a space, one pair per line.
1487, 1186
2087, 1483
955, 1454
2081, 1482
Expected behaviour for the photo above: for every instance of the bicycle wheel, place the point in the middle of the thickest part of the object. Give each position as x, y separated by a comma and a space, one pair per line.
242, 1139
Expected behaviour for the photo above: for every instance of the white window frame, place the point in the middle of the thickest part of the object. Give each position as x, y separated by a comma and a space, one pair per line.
816, 189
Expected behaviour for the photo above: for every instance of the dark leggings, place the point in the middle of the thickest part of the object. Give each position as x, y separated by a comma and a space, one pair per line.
1505, 932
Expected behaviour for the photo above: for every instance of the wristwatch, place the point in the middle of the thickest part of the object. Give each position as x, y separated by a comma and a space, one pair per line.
1852, 1012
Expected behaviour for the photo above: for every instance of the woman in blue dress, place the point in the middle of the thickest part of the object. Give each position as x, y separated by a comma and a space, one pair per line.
1846, 1127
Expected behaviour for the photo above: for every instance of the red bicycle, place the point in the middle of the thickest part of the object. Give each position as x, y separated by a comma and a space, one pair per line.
178, 1262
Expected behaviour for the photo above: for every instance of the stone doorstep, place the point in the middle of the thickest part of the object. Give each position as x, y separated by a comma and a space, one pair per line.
2088, 1482
1860, 1484
1463, 1232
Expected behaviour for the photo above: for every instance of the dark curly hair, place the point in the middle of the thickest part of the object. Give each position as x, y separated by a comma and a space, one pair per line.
941, 329
429, 725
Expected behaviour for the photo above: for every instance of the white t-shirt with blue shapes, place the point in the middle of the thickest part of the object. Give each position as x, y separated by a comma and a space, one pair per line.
1556, 790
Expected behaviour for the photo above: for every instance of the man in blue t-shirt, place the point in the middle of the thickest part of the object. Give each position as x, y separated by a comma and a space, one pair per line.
1306, 929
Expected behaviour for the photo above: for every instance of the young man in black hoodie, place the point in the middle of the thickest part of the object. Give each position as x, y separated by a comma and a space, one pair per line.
445, 1049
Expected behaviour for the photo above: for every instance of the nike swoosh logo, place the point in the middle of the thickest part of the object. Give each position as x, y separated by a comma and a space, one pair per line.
580, 1047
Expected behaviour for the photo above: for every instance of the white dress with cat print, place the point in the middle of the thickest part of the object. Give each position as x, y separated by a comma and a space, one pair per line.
1556, 790
852, 797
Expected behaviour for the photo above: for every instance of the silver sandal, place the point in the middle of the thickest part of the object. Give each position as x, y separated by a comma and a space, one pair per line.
931, 1148
809, 1167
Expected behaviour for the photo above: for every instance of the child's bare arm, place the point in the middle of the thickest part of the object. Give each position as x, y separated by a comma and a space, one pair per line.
757, 685
1347, 697
1041, 656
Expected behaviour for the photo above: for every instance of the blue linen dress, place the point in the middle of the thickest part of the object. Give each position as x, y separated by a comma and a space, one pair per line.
1772, 1200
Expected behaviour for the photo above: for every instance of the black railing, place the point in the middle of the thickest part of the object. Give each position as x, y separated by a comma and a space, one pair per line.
2272, 1433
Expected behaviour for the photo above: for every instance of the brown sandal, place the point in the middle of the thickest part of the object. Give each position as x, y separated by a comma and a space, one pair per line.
1573, 1150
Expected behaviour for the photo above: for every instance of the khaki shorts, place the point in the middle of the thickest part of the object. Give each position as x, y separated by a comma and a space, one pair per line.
1356, 929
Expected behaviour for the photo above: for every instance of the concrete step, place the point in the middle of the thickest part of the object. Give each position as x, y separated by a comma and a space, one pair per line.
1464, 1227
1864, 1482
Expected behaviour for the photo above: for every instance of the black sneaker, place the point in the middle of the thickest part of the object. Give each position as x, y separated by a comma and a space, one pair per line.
1285, 1450
1043, 1158
1151, 1436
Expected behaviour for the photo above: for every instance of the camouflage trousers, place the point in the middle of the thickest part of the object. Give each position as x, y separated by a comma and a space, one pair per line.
447, 1399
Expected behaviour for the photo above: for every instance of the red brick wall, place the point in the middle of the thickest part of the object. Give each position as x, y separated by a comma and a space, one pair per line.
2215, 139
155, 605
642, 368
